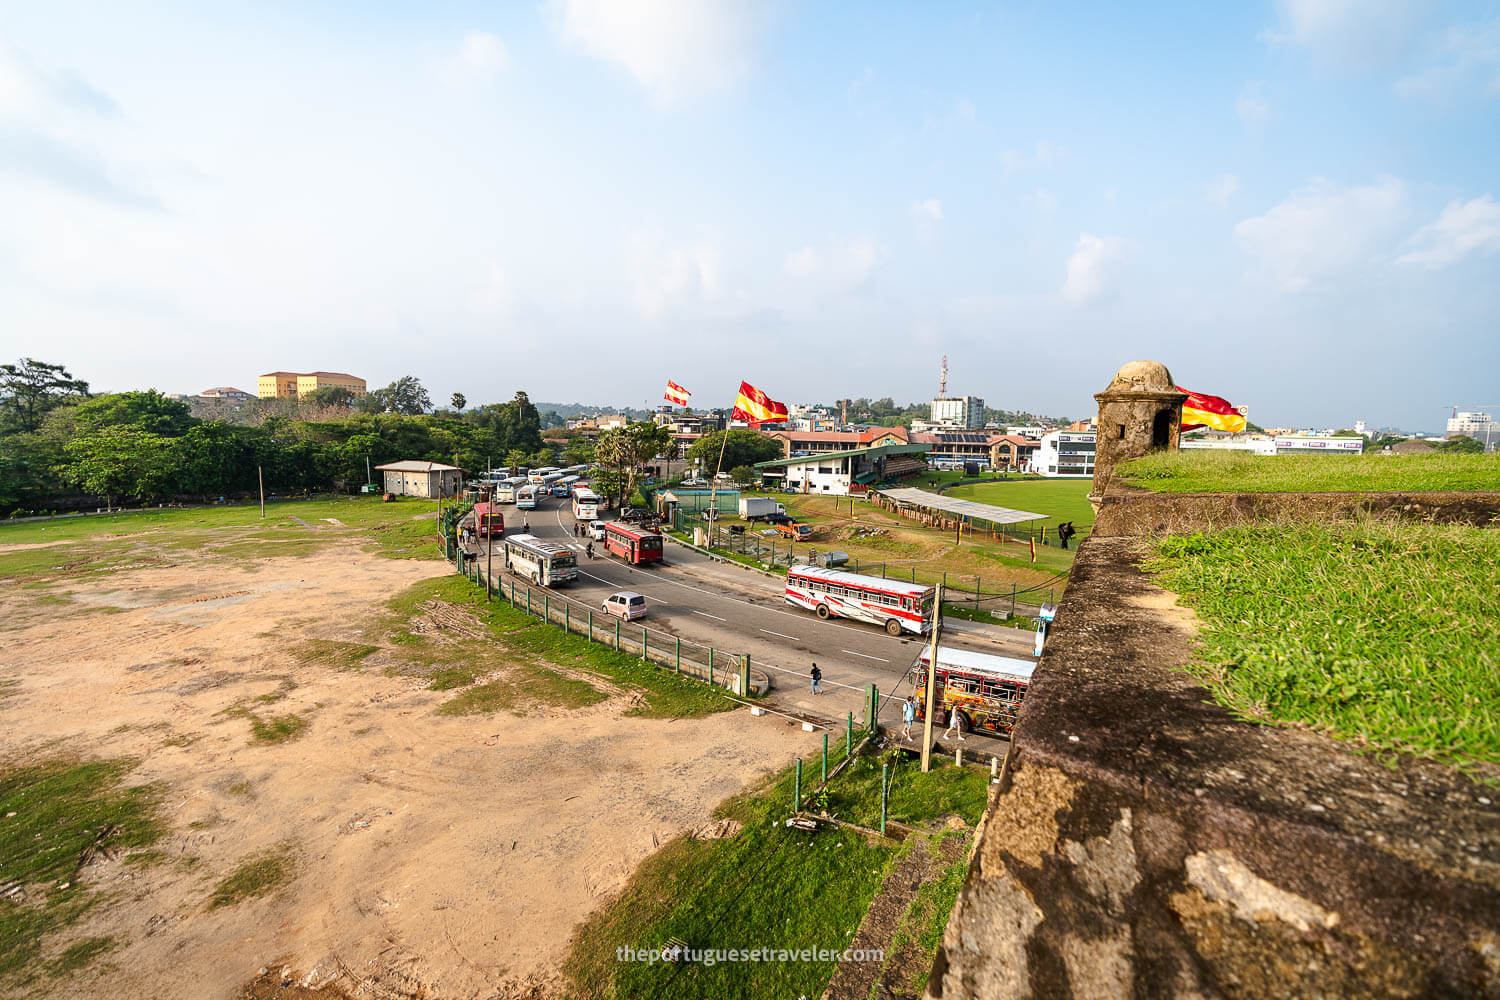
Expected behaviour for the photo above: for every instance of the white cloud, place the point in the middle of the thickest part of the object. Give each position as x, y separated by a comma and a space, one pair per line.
1464, 227
843, 266
667, 278
675, 50
1043, 155
1222, 188
1466, 58
1252, 108
1350, 34
1095, 268
930, 210
1041, 200
1322, 230
482, 54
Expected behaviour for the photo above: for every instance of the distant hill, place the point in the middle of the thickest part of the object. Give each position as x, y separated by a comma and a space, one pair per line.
589, 410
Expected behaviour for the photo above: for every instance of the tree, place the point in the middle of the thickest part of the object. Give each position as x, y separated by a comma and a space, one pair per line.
742, 448
743, 474
120, 461
148, 411
459, 402
405, 395
579, 451
30, 388
626, 450
331, 396
1460, 444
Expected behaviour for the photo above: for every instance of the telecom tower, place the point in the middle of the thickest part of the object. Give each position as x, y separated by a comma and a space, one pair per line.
943, 380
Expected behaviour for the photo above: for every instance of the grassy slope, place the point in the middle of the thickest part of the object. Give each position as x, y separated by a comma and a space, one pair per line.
769, 886
1219, 472
1379, 633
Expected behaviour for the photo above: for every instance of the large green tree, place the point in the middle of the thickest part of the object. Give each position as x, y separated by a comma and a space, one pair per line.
30, 388
148, 411
121, 461
405, 395
627, 450
740, 446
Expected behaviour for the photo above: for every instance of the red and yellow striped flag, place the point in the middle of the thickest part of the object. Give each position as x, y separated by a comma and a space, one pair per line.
1199, 410
676, 394
756, 407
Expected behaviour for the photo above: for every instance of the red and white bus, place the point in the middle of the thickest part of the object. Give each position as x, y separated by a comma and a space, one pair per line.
488, 519
832, 593
634, 545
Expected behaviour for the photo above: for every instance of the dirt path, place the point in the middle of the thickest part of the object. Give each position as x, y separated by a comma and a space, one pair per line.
435, 856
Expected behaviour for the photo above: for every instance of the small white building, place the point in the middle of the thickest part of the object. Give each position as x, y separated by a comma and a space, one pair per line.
422, 479
839, 473
1255, 445
1065, 455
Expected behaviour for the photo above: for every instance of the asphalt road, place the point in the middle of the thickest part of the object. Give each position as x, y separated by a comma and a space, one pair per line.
734, 609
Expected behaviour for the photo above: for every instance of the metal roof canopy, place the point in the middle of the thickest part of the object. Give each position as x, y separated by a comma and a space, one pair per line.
963, 508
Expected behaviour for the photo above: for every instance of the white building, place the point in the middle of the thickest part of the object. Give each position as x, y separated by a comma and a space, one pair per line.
1473, 423
1255, 445
1029, 433
958, 411
422, 479
1065, 454
1312, 443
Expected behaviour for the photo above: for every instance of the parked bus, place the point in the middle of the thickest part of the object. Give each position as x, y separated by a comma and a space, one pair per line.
585, 504
544, 563
488, 520
985, 691
547, 483
633, 544
833, 593
505, 489
564, 486
526, 496
537, 475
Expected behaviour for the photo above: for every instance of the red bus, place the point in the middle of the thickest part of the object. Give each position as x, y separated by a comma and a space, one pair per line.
488, 519
895, 605
634, 545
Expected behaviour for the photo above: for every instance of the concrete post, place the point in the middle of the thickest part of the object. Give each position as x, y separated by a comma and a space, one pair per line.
744, 691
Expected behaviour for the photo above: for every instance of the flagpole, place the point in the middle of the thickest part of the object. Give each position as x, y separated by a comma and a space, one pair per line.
713, 487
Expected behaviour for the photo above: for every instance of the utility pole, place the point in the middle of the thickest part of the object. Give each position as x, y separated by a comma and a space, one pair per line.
937, 624
369, 476
260, 480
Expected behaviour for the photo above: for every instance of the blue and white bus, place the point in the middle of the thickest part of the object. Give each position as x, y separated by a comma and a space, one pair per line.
526, 496
537, 475
564, 486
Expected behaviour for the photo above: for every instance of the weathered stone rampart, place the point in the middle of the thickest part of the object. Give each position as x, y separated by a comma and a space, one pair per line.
1143, 842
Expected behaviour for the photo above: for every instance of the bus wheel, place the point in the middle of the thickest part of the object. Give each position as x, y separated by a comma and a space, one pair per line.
823, 611
892, 626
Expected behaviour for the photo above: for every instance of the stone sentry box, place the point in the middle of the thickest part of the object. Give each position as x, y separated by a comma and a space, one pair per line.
1140, 411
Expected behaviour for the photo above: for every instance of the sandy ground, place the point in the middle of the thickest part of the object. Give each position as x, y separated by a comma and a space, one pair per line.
436, 856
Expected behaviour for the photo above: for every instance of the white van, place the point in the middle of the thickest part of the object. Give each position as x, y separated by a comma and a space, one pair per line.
626, 604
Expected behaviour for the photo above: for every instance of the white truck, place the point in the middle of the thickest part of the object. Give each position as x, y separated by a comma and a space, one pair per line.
758, 508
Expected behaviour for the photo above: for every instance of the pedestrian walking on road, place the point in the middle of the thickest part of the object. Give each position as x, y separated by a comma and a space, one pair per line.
953, 717
817, 680
526, 527
588, 550
908, 716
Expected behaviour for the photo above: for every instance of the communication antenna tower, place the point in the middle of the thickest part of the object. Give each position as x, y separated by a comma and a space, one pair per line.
943, 380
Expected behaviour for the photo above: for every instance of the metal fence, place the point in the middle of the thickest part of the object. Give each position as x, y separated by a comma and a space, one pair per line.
723, 668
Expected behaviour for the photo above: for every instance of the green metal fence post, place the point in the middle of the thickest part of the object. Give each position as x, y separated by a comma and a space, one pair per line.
1012, 600
885, 796
617, 635
568, 618
547, 608
591, 625
825, 758
528, 600
849, 737
710, 664
679, 654
797, 788
644, 655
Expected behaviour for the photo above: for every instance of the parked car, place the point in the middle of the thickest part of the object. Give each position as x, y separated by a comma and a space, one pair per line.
625, 604
777, 519
596, 530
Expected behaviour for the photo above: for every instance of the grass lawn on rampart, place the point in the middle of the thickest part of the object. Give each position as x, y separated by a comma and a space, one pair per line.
1376, 632
1060, 499
1229, 472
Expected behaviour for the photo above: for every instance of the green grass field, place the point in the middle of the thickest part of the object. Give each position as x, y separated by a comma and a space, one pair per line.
1060, 499
771, 886
1379, 633
1221, 472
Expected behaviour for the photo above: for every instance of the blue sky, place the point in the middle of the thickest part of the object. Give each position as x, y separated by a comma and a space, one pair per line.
1290, 204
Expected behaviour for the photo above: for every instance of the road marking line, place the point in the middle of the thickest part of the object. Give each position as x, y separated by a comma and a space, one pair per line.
865, 655
705, 614
782, 634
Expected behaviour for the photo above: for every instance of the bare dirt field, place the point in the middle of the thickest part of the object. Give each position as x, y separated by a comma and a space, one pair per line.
418, 854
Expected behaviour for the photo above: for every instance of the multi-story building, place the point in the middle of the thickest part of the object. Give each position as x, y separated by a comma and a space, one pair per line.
226, 392
840, 473
958, 411
1066, 453
796, 443
1012, 451
292, 385
1472, 423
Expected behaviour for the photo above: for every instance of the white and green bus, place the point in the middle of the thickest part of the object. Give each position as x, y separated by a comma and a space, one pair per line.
544, 563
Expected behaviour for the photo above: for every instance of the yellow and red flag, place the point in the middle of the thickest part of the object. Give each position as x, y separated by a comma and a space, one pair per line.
756, 407
1216, 412
676, 394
